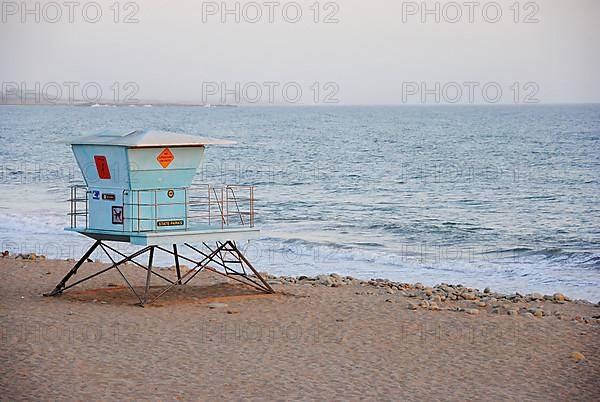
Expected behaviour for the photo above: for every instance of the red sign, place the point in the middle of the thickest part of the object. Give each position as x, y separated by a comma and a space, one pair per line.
165, 158
102, 167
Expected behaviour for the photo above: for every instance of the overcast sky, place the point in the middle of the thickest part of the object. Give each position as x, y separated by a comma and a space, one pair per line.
378, 51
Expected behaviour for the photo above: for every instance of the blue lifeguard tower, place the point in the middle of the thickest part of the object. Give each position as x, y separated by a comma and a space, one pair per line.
139, 190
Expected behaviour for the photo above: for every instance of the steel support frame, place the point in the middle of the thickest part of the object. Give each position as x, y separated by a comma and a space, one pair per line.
221, 257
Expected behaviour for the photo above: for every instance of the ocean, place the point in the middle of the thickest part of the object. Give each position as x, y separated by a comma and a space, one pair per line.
500, 196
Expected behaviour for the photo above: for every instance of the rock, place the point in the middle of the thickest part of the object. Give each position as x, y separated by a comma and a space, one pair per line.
428, 291
216, 305
390, 291
527, 314
558, 297
433, 306
472, 311
388, 301
487, 290
539, 313
424, 303
512, 312
411, 306
419, 285
324, 280
468, 296
111, 285
482, 304
578, 356
436, 299
536, 296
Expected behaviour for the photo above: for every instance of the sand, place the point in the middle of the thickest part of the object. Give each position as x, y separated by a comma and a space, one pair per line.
221, 341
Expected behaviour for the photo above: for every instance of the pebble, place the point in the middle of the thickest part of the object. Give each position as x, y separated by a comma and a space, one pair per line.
428, 291
411, 306
482, 304
512, 312
216, 305
578, 356
472, 311
468, 296
487, 290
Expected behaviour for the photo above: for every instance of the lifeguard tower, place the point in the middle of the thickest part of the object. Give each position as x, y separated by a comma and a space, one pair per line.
139, 190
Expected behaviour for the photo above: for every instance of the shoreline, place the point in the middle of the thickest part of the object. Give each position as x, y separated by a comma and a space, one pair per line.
335, 280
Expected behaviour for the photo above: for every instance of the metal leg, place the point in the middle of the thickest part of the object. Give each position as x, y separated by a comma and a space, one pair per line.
137, 264
177, 264
150, 258
229, 272
243, 258
121, 273
61, 285
201, 265
107, 269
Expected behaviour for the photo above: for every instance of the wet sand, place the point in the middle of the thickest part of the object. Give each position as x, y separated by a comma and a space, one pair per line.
314, 339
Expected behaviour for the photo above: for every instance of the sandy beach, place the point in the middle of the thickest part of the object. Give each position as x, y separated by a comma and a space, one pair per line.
329, 338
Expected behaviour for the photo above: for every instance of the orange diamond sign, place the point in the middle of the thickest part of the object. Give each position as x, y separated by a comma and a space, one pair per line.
165, 158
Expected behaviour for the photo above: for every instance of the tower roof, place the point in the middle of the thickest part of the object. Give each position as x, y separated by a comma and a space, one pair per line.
147, 139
